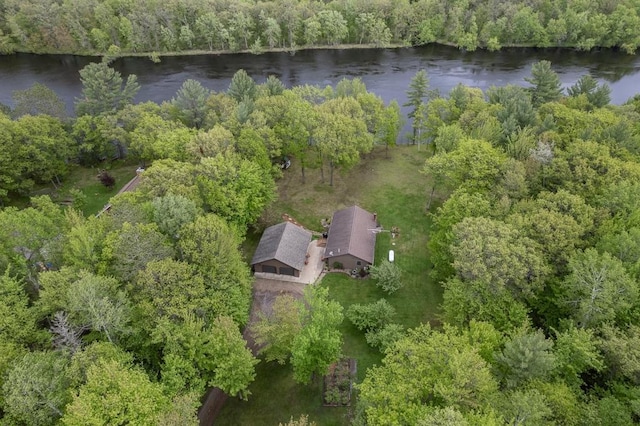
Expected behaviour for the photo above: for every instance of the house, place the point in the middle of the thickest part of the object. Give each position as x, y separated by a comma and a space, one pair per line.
352, 238
282, 250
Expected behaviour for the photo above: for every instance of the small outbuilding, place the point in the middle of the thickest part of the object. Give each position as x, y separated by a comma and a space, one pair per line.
352, 238
282, 250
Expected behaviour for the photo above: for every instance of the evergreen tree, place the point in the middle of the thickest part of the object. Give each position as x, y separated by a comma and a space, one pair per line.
190, 103
546, 84
242, 87
103, 90
417, 94
597, 95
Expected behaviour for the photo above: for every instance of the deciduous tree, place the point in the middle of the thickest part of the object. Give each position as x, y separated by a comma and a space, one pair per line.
474, 165
275, 333
341, 134
388, 276
372, 316
38, 99
116, 394
465, 301
36, 389
235, 364
319, 342
495, 253
96, 303
211, 244
423, 371
171, 177
234, 188
621, 351
44, 148
576, 351
524, 406
598, 289
197, 355
170, 289
127, 250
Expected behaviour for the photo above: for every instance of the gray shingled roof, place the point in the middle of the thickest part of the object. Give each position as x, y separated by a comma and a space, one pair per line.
350, 233
284, 242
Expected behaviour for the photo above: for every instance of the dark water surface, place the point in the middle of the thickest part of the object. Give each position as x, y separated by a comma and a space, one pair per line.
386, 72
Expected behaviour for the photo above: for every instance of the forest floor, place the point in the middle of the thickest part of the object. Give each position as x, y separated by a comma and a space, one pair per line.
395, 189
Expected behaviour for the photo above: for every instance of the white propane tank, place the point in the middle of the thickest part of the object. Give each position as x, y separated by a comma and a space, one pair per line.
392, 256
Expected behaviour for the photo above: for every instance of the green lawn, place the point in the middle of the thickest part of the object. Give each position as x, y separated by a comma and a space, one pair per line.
394, 188
275, 398
85, 179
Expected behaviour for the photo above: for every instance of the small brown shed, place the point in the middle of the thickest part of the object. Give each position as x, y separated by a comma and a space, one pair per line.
352, 238
282, 250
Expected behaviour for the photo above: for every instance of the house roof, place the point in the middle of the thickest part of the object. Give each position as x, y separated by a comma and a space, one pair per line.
351, 233
284, 242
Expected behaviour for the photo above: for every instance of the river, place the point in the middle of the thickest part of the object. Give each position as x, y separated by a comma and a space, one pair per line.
386, 72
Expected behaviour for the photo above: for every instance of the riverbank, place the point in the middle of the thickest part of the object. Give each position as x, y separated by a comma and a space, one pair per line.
200, 52
156, 56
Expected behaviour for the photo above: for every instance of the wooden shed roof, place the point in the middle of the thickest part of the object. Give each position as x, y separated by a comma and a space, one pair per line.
284, 242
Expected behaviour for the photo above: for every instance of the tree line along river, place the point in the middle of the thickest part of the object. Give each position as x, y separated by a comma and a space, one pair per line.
386, 72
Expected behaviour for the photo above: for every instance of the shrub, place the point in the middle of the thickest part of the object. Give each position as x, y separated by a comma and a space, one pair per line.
387, 275
106, 179
372, 316
385, 336
338, 265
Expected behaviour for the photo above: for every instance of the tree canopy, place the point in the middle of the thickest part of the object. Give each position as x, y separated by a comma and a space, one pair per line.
106, 28
533, 235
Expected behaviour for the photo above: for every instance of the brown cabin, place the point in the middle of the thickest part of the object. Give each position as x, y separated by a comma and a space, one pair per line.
352, 238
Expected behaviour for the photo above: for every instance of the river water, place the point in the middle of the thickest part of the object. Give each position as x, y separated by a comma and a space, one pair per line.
386, 72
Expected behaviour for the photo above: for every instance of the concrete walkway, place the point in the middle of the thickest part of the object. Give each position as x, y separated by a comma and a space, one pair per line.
309, 273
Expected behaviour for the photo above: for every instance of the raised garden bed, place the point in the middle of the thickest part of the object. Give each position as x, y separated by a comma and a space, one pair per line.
338, 383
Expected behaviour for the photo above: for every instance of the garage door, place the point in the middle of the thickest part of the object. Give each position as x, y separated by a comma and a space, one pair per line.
270, 269
286, 271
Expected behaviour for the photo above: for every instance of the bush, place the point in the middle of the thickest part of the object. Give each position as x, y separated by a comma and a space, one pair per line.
384, 337
387, 275
106, 179
338, 265
372, 316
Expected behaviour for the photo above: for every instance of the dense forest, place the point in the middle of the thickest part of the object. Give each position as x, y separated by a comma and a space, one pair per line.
537, 248
128, 317
151, 26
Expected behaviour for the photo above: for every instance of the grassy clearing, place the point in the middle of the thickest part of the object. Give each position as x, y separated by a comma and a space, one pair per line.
275, 398
85, 179
395, 189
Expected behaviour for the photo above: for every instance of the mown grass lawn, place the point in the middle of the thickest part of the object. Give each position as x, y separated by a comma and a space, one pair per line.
395, 189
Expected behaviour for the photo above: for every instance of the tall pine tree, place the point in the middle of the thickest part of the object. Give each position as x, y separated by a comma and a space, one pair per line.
417, 94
